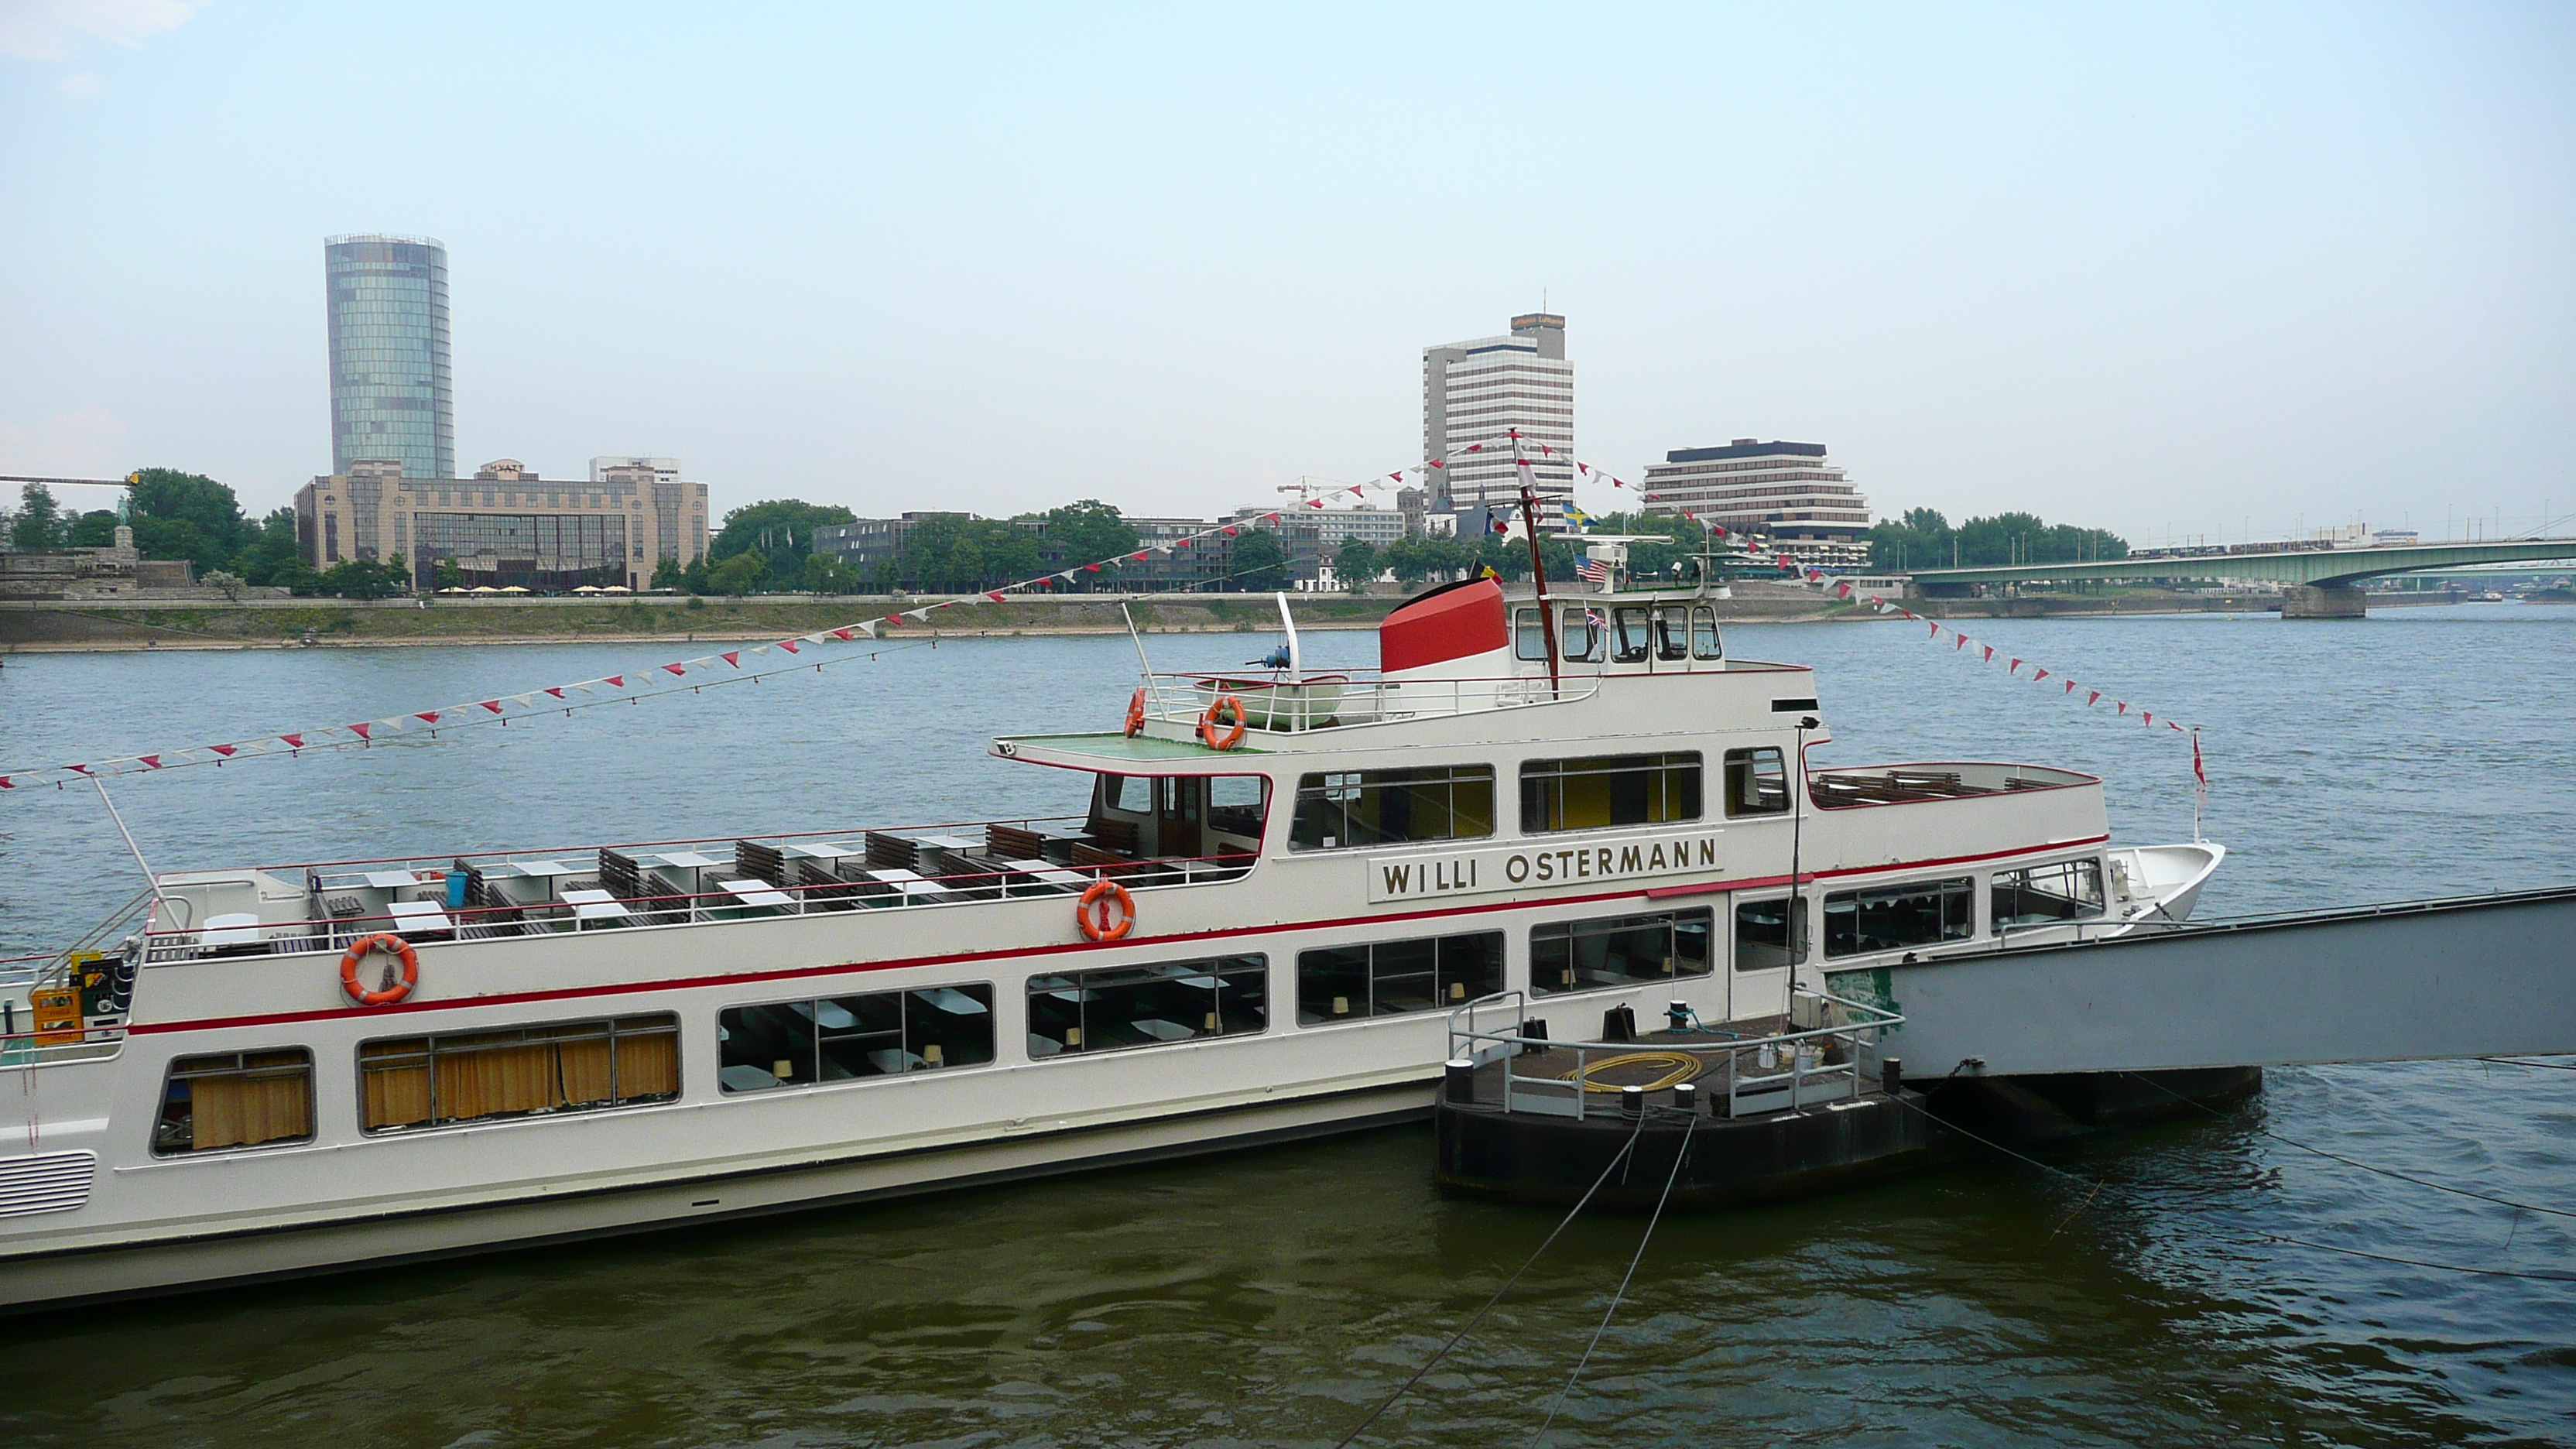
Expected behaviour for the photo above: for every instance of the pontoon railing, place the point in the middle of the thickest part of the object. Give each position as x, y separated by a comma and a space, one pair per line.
1832, 1062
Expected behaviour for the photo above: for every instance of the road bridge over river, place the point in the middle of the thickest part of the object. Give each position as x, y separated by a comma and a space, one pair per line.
2326, 582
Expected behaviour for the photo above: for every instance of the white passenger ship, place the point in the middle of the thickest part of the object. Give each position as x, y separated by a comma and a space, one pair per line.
1292, 881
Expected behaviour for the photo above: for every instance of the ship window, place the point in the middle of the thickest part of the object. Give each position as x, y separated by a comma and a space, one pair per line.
1604, 790
1529, 635
478, 1076
235, 1099
1580, 630
1628, 636
1705, 643
844, 1038
1618, 951
1383, 978
2067, 891
1757, 782
1762, 934
1143, 1006
1891, 918
1672, 633
1389, 807
1238, 804
1123, 792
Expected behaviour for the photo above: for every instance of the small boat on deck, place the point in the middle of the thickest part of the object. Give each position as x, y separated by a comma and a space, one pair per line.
1250, 919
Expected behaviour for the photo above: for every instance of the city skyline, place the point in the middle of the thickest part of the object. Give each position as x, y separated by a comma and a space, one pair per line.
2179, 261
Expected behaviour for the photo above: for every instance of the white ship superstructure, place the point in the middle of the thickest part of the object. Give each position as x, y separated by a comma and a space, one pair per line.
1248, 919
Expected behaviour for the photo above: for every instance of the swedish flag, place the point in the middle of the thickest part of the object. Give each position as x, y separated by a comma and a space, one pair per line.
1578, 517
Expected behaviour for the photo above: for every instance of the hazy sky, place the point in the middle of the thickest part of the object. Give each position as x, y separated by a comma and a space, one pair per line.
2145, 268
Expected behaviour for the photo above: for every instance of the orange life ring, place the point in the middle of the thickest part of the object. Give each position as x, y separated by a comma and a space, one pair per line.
1136, 714
392, 991
1094, 913
1208, 727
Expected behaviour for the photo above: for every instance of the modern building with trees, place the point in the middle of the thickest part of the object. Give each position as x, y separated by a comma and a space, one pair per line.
504, 526
1784, 493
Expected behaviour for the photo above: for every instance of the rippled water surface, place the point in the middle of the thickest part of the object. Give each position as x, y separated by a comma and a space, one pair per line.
1272, 1297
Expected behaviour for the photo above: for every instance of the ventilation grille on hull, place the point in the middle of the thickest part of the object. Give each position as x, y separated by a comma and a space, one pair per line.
49, 1182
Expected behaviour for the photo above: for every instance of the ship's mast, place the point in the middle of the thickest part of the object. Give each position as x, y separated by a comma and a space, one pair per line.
1538, 565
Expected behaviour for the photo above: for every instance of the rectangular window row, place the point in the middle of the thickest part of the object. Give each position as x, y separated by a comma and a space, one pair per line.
249, 1099
1456, 802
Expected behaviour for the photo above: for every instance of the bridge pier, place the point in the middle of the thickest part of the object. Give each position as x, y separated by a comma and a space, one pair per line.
2324, 601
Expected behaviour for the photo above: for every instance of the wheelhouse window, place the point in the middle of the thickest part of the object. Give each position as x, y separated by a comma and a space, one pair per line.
1757, 782
1893, 918
1618, 951
1529, 635
846, 1038
1628, 636
1142, 1006
482, 1076
1384, 978
1603, 790
1705, 643
1390, 807
1672, 632
1580, 632
2043, 895
1762, 934
235, 1099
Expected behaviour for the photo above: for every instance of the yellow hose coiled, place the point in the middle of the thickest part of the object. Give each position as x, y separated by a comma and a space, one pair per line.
1683, 1067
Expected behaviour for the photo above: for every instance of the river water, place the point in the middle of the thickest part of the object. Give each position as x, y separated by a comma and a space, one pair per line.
1272, 1297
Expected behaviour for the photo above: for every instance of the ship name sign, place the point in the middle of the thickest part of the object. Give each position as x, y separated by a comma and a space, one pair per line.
1519, 867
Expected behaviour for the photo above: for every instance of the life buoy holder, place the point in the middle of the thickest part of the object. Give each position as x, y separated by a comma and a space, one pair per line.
1136, 714
392, 990
1208, 732
1107, 912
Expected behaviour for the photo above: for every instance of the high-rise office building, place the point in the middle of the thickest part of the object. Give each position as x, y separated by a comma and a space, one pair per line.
1477, 390
1785, 494
392, 387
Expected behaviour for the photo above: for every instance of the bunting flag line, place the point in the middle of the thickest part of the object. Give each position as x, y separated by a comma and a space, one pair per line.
2067, 684
635, 685
630, 686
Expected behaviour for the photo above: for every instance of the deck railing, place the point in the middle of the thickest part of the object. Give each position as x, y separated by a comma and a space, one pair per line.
1739, 1076
583, 907
1282, 703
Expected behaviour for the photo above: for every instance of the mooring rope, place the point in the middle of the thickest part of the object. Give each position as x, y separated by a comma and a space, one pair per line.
2263, 1239
2351, 1162
1389, 1402
1638, 1257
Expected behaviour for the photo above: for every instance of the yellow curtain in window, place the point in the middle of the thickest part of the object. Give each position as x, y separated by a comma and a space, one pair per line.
396, 1096
234, 1111
494, 1081
584, 1064
648, 1066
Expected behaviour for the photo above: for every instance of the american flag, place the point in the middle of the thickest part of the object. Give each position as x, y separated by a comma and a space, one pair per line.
1593, 571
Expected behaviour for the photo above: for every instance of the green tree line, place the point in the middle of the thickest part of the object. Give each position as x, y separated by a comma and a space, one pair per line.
177, 515
1923, 539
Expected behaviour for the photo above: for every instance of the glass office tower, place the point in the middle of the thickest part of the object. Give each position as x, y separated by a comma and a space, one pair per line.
392, 394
